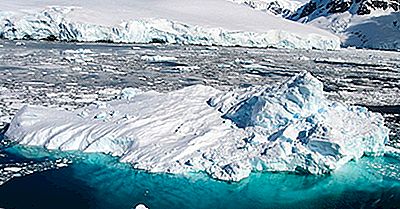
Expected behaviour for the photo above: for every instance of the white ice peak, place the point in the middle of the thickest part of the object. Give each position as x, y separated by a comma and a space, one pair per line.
291, 127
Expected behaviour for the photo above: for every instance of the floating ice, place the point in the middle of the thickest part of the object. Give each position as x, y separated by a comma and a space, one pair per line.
9, 171
12, 169
158, 58
79, 51
292, 127
141, 206
129, 93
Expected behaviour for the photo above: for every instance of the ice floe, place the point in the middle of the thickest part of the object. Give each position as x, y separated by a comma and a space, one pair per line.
9, 171
158, 58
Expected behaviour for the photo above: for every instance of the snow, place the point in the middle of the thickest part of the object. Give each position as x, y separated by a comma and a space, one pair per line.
378, 31
291, 127
361, 24
284, 8
210, 22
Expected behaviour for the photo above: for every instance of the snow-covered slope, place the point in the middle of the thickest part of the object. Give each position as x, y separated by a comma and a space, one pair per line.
363, 23
291, 127
318, 8
174, 21
283, 8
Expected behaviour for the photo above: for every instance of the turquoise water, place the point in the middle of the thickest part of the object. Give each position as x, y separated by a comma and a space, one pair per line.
100, 181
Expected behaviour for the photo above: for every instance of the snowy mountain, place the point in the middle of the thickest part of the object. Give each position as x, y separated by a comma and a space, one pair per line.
360, 23
283, 8
205, 22
318, 8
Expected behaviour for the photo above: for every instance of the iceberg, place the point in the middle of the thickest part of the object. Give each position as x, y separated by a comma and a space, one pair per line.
291, 127
198, 22
141, 206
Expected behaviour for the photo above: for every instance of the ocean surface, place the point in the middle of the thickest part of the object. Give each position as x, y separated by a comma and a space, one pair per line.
100, 181
72, 75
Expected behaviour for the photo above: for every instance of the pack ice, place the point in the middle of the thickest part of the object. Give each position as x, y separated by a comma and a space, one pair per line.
202, 22
292, 127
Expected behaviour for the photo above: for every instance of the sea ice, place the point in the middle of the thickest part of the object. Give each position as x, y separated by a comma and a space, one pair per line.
129, 93
141, 206
158, 58
291, 127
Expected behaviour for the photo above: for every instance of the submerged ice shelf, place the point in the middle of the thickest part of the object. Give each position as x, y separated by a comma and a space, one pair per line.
291, 127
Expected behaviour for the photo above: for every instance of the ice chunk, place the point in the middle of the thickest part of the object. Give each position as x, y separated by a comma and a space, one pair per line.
129, 93
141, 206
290, 127
13, 169
158, 58
79, 51
310, 133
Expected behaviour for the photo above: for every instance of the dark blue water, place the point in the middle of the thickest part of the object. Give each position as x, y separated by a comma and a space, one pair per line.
99, 181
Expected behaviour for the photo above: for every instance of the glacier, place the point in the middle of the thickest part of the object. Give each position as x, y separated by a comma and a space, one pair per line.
291, 127
211, 22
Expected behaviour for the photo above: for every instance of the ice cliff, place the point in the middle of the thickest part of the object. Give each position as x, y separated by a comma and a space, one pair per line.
292, 127
211, 22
